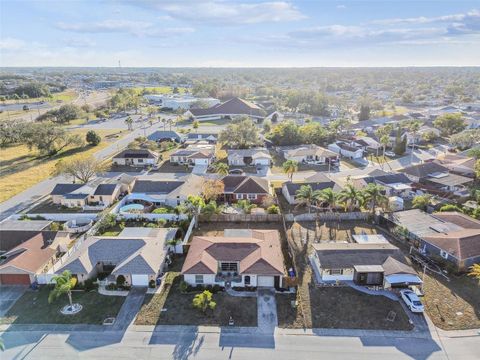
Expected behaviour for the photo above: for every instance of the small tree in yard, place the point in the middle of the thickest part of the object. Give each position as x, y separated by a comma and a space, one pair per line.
93, 138
204, 301
475, 272
212, 189
421, 201
64, 283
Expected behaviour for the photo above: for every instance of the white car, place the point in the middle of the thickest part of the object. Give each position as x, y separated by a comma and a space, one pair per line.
390, 153
412, 301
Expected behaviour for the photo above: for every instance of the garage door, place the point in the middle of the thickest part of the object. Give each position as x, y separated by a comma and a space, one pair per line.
265, 281
14, 279
140, 280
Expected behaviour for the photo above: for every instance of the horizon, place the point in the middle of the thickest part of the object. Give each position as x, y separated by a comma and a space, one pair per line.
239, 34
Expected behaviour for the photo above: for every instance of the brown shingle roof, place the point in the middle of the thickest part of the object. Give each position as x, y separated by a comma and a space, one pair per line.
462, 244
234, 106
258, 253
459, 219
245, 185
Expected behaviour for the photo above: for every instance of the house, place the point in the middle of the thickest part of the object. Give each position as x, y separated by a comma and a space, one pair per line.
395, 184
458, 164
318, 181
136, 254
437, 179
452, 237
159, 136
165, 192
347, 150
367, 264
311, 154
209, 138
194, 155
82, 195
125, 182
229, 109
135, 157
249, 157
367, 143
242, 187
239, 258
25, 254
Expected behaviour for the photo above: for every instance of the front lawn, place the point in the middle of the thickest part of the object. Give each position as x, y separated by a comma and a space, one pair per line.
453, 305
33, 308
178, 308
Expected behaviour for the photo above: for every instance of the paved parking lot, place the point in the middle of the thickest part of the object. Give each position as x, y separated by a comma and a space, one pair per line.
8, 296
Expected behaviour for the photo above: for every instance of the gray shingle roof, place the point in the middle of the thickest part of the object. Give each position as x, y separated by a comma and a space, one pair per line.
157, 187
105, 189
62, 189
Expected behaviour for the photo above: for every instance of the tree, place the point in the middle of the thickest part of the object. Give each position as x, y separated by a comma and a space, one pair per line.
305, 196
212, 188
326, 197
351, 196
221, 168
204, 301
93, 138
286, 133
373, 194
242, 134
211, 208
193, 206
290, 167
450, 207
449, 124
475, 271
413, 127
421, 201
383, 133
477, 169
49, 139
465, 139
475, 153
400, 142
364, 112
82, 169
195, 125
129, 122
64, 283
267, 126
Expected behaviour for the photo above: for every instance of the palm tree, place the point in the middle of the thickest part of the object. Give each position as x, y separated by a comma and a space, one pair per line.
413, 127
327, 197
164, 122
351, 196
290, 167
221, 168
129, 122
305, 196
64, 283
373, 194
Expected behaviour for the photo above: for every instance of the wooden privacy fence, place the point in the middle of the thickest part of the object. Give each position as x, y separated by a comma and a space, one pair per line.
241, 218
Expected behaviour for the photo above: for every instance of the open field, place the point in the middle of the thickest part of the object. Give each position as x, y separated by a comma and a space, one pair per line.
21, 168
33, 308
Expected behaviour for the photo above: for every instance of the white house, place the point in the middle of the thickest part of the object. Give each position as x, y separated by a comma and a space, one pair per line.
200, 154
310, 154
254, 157
346, 150
135, 157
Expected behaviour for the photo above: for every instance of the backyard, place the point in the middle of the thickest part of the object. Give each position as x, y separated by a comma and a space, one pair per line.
33, 308
48, 207
20, 168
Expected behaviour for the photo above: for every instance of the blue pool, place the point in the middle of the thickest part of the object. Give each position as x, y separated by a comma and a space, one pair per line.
132, 208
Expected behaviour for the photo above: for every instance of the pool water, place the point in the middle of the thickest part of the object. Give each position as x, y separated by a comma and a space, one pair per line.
132, 208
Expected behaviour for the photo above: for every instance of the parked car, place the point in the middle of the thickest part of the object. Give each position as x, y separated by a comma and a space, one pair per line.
412, 301
390, 153
236, 172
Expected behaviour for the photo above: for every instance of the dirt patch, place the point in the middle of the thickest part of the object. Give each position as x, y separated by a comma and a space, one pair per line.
289, 315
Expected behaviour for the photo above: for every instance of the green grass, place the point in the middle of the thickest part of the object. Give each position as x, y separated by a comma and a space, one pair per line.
33, 308
159, 89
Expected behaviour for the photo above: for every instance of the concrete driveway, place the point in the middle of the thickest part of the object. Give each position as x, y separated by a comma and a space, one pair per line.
266, 310
9, 294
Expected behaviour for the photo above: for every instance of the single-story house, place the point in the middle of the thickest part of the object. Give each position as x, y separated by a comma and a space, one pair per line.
165, 192
194, 155
136, 157
367, 143
347, 150
137, 254
458, 164
229, 109
245, 157
81, 195
316, 182
395, 184
242, 258
125, 182
26, 254
159, 136
451, 236
209, 138
240, 187
311, 154
380, 264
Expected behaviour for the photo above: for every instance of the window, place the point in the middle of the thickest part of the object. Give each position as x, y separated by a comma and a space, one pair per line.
246, 280
336, 271
228, 266
444, 254
198, 279
140, 160
252, 196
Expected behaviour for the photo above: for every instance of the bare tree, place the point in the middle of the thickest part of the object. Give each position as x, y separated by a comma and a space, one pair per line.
83, 169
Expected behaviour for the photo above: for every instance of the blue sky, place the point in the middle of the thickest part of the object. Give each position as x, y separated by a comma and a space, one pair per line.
239, 33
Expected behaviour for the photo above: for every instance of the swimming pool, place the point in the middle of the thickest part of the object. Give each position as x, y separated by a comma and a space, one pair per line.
133, 208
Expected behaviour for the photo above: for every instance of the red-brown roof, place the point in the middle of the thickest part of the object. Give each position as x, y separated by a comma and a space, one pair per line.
462, 244
258, 253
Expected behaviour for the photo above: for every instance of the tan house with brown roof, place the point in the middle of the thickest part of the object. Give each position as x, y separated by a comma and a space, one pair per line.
240, 258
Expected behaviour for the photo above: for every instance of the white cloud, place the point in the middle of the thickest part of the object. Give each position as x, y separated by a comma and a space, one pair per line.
471, 16
341, 7
137, 28
11, 44
222, 12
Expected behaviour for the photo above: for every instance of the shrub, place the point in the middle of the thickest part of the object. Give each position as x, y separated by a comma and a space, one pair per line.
451, 207
93, 138
216, 288
89, 285
152, 284
120, 280
273, 209
161, 210
111, 287
183, 287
